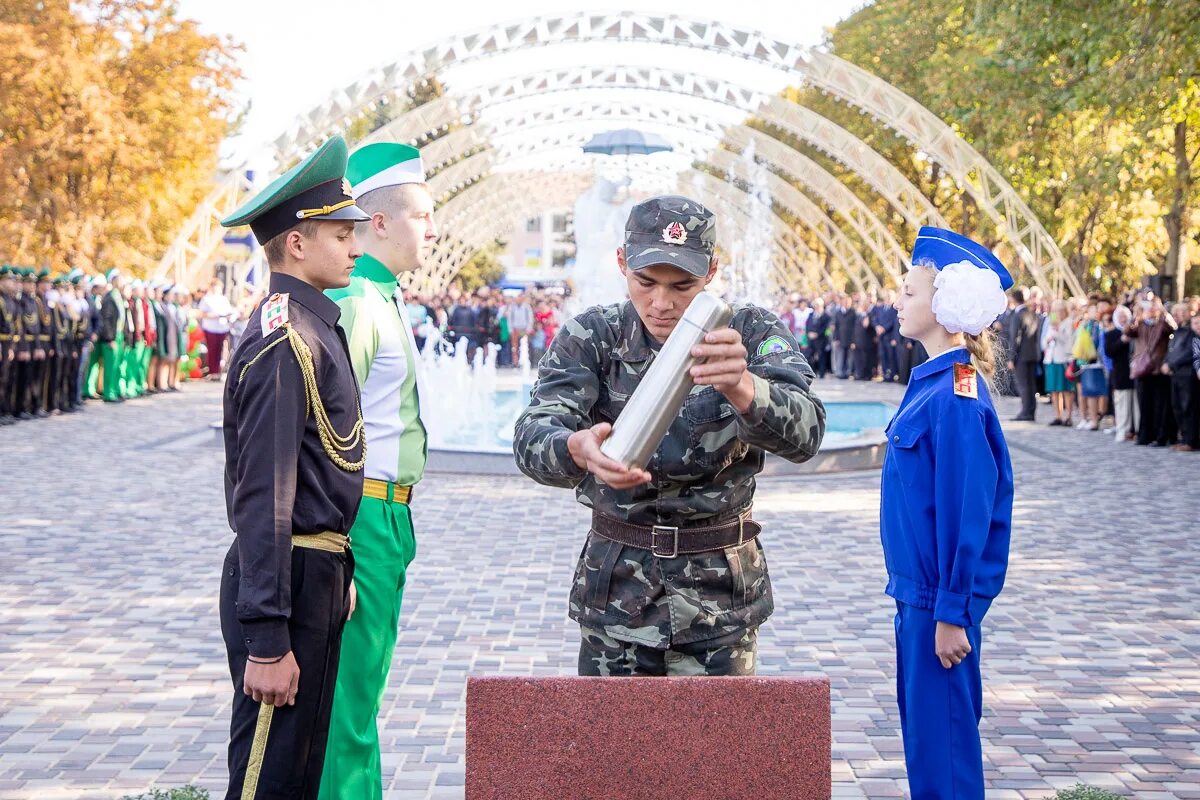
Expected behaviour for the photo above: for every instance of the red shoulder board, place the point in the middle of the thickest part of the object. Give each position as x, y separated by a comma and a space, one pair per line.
965, 382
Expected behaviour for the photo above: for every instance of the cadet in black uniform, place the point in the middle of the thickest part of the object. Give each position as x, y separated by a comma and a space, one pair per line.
10, 330
62, 342
294, 456
31, 350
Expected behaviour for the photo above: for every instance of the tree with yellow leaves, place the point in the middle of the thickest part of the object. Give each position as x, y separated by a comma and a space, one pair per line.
111, 113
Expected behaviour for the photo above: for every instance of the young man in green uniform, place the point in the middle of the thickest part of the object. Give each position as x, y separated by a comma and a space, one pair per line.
388, 183
111, 337
672, 579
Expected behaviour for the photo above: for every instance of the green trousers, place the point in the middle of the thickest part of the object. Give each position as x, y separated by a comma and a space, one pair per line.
114, 366
147, 357
384, 546
135, 383
91, 375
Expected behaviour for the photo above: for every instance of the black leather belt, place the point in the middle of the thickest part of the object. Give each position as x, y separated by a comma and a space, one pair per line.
669, 541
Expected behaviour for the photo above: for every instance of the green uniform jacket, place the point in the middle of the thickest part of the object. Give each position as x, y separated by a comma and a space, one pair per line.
703, 470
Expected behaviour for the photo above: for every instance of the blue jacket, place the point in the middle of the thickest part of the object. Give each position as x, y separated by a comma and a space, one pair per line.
946, 507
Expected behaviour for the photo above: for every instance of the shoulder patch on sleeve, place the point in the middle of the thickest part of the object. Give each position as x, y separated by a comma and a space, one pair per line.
274, 313
965, 382
773, 344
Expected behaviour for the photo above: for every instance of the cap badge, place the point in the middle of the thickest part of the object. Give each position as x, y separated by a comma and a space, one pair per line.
674, 233
346, 187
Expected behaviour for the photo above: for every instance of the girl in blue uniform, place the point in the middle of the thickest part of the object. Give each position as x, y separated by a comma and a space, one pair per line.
946, 510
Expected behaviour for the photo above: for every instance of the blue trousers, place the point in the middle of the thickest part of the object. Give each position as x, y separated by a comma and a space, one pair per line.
939, 711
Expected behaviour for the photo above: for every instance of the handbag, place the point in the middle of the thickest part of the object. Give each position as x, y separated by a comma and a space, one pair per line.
1072, 370
1141, 365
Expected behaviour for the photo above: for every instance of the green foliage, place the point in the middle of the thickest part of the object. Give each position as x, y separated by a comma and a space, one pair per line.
184, 793
483, 269
111, 115
1090, 109
1081, 792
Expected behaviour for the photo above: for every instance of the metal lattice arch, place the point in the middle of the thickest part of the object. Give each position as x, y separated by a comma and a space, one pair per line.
879, 240
849, 226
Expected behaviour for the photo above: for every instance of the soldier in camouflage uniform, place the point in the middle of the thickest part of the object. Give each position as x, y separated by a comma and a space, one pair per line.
672, 578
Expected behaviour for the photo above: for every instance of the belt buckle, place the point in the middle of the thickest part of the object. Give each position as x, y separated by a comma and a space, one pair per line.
664, 530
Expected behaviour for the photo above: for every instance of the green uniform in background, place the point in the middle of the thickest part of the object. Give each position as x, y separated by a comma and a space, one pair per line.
112, 339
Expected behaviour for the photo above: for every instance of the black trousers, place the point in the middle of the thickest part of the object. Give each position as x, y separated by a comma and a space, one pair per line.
295, 748
27, 391
1185, 399
50, 382
1157, 423
1026, 375
70, 382
863, 362
887, 359
7, 363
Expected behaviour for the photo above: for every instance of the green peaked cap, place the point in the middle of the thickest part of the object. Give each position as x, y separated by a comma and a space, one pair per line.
383, 164
314, 189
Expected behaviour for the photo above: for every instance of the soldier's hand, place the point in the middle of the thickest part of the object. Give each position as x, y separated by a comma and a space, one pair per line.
951, 644
275, 684
353, 601
584, 447
724, 367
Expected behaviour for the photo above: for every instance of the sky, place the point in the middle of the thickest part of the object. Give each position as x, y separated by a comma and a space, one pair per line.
297, 51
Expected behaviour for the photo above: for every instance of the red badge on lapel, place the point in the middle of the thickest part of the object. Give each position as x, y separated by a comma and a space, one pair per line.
965, 381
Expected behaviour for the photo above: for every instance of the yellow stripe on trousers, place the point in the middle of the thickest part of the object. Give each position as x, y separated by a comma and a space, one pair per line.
258, 749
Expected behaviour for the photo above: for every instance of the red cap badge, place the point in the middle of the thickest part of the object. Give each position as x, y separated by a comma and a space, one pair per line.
674, 233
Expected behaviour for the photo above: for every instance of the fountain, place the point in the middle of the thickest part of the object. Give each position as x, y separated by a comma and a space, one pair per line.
470, 408
747, 274
600, 215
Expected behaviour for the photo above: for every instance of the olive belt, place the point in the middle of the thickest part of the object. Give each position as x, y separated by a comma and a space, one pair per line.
328, 541
382, 490
669, 541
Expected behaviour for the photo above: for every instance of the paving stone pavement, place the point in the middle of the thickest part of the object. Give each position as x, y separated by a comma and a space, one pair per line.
112, 676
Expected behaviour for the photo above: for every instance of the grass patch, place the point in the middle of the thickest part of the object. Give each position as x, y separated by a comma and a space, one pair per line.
1081, 792
183, 793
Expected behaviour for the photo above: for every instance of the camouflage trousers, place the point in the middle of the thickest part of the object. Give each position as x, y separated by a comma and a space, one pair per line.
600, 655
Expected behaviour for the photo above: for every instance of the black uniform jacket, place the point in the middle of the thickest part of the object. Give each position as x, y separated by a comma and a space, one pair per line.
278, 478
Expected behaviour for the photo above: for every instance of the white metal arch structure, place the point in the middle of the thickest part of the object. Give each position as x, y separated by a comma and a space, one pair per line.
822, 133
202, 234
996, 198
493, 205
464, 114
506, 198
817, 179
783, 193
856, 155
499, 203
786, 195
770, 151
487, 200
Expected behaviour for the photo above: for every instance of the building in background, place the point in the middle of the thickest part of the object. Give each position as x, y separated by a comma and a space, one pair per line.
541, 249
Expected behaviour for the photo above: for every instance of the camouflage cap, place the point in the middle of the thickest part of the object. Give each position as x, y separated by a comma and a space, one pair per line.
671, 230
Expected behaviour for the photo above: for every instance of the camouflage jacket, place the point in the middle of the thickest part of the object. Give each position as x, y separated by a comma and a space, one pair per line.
703, 470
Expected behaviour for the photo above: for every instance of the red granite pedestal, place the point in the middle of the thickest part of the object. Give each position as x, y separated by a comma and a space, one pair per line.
648, 739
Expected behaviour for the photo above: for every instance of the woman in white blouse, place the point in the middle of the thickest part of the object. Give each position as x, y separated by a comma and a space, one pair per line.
1058, 338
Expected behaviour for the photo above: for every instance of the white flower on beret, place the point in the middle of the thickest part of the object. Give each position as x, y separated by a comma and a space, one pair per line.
967, 298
